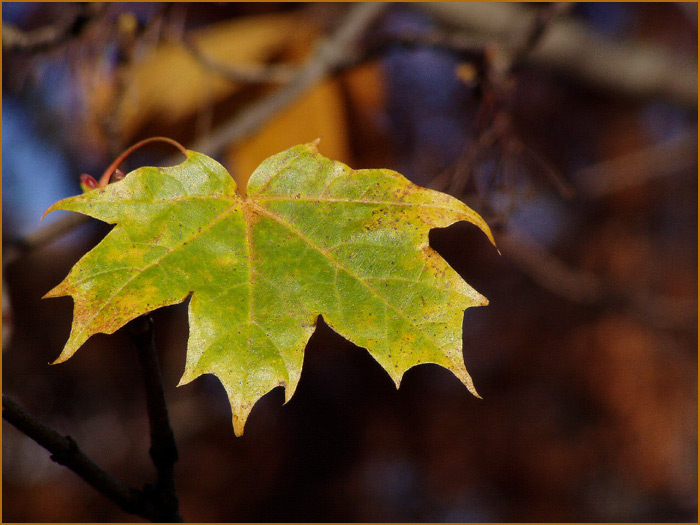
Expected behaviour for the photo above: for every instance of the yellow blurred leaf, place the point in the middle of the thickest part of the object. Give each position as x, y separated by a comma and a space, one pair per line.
169, 84
321, 113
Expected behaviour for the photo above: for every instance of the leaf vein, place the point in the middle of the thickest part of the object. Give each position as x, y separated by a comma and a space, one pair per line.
278, 173
337, 263
209, 226
355, 201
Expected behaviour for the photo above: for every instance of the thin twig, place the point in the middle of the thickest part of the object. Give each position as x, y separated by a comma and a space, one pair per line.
563, 187
583, 287
244, 74
533, 34
664, 158
494, 118
329, 55
163, 448
549, 272
14, 39
65, 451
483, 140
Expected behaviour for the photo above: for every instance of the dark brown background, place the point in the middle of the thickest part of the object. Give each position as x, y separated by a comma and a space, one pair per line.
590, 401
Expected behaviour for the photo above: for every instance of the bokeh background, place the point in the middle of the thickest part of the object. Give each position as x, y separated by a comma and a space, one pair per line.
571, 128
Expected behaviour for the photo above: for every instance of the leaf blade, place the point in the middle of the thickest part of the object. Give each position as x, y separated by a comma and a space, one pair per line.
312, 237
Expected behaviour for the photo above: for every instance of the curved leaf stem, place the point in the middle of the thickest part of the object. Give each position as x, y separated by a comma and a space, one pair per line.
104, 179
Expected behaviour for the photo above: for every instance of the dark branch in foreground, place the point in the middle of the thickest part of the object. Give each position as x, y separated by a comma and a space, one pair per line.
163, 448
65, 451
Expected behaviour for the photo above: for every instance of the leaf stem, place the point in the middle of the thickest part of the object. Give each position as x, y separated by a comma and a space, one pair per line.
163, 448
104, 179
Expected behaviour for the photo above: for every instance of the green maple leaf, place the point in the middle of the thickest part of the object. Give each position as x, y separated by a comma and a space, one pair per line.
312, 237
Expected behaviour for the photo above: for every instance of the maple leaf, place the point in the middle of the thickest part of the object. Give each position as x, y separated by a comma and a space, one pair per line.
312, 237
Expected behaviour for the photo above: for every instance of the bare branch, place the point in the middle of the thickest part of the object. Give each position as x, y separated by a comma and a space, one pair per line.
332, 53
50, 36
14, 39
583, 287
66, 452
248, 74
634, 69
533, 34
163, 448
674, 155
536, 30
549, 272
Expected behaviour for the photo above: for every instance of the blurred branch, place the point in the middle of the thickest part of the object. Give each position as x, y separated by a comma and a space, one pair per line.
674, 155
458, 42
494, 122
533, 34
331, 54
628, 68
42, 236
50, 36
249, 74
163, 448
65, 451
14, 39
334, 52
470, 45
579, 286
549, 272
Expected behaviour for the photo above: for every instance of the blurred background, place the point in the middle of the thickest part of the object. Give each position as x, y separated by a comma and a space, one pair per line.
571, 128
